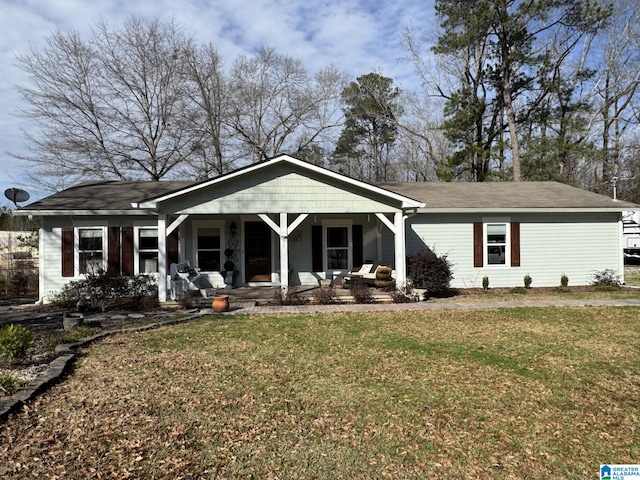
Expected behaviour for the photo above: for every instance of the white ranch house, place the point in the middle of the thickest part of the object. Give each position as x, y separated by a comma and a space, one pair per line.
287, 222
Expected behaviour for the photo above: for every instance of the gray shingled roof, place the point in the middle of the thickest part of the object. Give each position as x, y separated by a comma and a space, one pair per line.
109, 195
114, 195
503, 195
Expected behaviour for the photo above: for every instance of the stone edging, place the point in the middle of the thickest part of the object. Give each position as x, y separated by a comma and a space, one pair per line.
61, 364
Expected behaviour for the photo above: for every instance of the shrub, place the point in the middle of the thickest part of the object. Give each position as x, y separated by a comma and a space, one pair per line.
22, 283
564, 281
527, 281
15, 342
362, 293
518, 290
485, 283
404, 295
9, 384
606, 278
103, 290
288, 296
325, 295
431, 272
187, 301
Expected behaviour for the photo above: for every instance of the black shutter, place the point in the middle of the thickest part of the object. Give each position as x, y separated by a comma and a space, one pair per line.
127, 251
515, 244
67, 252
477, 245
172, 248
316, 248
358, 245
114, 251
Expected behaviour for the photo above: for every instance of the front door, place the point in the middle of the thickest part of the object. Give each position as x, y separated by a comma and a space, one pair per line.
257, 248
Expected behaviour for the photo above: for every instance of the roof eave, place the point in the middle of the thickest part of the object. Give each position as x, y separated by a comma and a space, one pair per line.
524, 210
86, 213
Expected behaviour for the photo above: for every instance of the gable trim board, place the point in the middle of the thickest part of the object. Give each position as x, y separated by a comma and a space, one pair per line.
387, 222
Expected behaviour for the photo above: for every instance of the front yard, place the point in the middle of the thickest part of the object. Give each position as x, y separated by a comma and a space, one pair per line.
514, 393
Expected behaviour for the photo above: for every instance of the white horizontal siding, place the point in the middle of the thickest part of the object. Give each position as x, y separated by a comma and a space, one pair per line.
576, 245
51, 242
289, 193
51, 264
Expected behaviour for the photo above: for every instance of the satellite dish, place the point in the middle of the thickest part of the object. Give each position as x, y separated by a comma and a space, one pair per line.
16, 195
636, 217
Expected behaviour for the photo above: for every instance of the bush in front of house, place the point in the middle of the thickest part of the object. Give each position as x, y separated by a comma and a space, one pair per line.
527, 281
15, 342
361, 293
608, 278
404, 295
518, 290
288, 296
325, 295
104, 290
431, 272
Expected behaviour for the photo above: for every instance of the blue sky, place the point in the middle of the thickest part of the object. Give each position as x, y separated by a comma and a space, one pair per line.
356, 36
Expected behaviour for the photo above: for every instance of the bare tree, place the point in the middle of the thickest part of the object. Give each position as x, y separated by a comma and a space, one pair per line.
276, 107
110, 107
422, 147
617, 86
207, 114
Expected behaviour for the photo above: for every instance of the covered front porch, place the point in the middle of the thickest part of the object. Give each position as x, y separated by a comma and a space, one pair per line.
262, 250
279, 223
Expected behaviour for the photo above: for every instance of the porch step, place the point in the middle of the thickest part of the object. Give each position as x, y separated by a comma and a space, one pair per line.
206, 301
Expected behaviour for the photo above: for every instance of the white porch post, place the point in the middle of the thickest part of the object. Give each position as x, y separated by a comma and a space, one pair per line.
397, 228
400, 250
162, 258
283, 230
284, 252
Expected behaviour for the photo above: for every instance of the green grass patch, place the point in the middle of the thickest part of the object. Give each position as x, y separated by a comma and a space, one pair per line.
512, 393
72, 336
632, 275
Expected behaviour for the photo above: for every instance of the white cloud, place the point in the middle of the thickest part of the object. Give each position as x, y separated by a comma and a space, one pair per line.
357, 36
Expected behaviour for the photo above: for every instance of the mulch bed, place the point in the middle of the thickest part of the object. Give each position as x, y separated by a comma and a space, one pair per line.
47, 325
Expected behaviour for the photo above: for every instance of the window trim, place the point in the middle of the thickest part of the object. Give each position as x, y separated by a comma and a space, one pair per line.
506, 244
138, 251
506, 221
76, 248
220, 224
337, 223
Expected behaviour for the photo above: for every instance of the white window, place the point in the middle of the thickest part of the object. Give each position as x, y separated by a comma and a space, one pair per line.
337, 246
496, 243
147, 250
91, 256
208, 250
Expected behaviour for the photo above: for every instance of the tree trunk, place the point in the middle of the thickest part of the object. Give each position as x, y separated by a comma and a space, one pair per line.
511, 120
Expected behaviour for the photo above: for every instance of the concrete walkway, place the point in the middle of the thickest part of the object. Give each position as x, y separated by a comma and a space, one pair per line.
254, 301
251, 308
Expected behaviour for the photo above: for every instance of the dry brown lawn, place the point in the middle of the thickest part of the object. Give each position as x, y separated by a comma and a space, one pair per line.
515, 393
